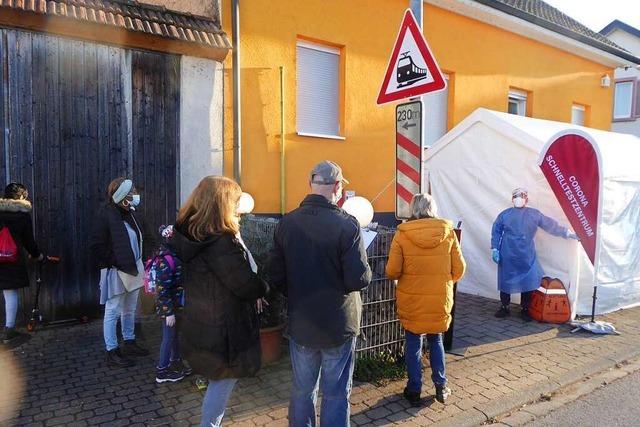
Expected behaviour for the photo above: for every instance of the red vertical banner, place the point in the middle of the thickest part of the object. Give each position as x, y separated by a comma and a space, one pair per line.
570, 164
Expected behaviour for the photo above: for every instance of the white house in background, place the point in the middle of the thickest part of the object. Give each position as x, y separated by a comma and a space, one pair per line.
626, 108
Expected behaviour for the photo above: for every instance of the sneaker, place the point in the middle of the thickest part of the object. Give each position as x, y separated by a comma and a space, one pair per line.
503, 312
115, 359
412, 397
167, 375
10, 334
524, 315
442, 393
181, 366
131, 348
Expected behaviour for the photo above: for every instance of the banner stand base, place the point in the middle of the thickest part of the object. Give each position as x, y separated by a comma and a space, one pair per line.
596, 327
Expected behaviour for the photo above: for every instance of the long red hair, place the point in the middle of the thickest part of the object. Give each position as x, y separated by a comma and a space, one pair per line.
211, 208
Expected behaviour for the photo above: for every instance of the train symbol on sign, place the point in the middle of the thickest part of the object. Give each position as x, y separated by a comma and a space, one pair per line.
408, 72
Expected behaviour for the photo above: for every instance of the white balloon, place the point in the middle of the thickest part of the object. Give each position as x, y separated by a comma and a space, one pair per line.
361, 208
246, 203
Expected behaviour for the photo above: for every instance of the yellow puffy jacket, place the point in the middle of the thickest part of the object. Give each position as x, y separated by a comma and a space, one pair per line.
426, 260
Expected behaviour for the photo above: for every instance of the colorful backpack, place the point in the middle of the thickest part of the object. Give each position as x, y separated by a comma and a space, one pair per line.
8, 247
151, 268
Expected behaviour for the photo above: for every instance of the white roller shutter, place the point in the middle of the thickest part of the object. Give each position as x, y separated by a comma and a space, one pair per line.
318, 92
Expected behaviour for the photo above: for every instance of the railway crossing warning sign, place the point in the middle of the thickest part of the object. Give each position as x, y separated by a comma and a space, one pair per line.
408, 155
412, 69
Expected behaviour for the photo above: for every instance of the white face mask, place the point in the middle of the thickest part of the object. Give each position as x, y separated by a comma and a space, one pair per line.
519, 202
337, 196
135, 201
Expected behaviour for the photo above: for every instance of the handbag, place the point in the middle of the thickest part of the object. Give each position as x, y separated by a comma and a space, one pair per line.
131, 282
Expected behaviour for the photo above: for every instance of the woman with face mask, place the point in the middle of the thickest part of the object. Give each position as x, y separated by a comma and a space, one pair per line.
118, 244
513, 249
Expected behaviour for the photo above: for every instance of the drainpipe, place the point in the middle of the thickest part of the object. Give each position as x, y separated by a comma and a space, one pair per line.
283, 194
237, 132
416, 7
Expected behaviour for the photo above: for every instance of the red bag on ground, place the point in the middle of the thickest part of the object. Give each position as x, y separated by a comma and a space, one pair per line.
8, 247
550, 302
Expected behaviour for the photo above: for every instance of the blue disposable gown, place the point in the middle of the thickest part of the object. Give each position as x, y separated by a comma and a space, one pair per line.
512, 234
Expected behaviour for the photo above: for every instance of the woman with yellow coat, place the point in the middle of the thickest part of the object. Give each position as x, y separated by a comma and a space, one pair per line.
426, 260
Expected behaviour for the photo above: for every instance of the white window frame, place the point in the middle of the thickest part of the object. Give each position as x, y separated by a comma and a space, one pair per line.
309, 132
578, 109
519, 97
632, 100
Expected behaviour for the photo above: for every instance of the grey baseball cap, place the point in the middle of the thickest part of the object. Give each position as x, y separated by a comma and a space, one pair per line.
326, 173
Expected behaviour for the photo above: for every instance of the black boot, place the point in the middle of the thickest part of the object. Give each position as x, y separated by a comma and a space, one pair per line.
503, 312
131, 348
115, 359
442, 393
524, 315
412, 397
10, 335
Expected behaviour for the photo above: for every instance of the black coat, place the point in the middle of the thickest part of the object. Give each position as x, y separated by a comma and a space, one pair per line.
318, 259
220, 331
16, 215
109, 241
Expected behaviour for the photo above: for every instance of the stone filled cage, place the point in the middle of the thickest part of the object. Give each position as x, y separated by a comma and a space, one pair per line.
381, 331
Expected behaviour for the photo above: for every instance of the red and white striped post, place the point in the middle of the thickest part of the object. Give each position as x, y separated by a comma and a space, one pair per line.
408, 155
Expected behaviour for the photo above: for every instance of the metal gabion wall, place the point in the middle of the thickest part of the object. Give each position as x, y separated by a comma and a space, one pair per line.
380, 329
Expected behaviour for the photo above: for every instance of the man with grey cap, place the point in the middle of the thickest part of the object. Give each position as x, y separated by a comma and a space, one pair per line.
318, 260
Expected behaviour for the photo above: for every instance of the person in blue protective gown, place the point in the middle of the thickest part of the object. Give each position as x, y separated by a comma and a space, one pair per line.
513, 249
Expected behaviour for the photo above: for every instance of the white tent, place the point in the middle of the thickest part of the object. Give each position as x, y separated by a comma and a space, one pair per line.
472, 170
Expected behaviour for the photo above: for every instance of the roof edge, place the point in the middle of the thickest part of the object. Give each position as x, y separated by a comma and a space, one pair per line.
616, 24
558, 29
505, 20
107, 34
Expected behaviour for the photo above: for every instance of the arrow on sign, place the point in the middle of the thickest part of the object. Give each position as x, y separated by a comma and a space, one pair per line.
407, 125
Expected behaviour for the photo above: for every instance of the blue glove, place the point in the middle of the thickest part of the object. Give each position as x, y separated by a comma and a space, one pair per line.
571, 235
495, 255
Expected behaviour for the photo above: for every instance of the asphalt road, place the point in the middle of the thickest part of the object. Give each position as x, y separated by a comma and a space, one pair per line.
617, 404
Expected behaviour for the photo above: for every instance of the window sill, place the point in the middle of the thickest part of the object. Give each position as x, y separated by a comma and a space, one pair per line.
625, 119
320, 135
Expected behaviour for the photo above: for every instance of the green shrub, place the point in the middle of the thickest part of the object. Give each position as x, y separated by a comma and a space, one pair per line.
380, 368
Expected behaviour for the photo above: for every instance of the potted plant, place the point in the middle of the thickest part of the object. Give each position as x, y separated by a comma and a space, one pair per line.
257, 234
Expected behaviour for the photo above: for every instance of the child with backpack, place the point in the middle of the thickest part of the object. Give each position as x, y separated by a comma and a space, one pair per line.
163, 276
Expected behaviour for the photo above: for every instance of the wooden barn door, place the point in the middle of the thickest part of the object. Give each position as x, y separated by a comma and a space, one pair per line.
69, 121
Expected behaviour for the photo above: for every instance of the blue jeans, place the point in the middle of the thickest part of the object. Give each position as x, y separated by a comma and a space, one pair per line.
11, 307
170, 346
336, 365
413, 358
122, 306
215, 401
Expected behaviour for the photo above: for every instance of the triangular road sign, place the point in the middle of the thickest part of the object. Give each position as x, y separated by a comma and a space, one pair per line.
412, 69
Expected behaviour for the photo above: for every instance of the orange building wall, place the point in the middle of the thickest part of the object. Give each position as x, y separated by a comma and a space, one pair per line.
484, 62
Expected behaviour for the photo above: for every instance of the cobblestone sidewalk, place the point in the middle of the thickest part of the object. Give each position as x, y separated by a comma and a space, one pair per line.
507, 362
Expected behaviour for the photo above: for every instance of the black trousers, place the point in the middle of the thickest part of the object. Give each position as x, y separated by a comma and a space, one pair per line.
525, 299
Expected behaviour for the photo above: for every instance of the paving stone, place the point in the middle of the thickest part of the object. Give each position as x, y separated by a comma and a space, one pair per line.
505, 357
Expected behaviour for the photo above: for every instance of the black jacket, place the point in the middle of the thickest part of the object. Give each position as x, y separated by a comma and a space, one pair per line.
16, 215
319, 260
220, 331
109, 241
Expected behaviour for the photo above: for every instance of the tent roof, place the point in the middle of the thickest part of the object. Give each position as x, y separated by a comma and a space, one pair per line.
619, 152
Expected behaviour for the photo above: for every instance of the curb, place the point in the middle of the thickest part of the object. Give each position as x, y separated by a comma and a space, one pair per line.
485, 412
